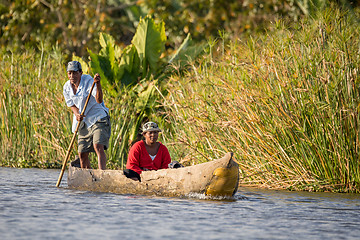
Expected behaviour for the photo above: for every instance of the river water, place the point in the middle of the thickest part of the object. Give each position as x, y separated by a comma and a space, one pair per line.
32, 207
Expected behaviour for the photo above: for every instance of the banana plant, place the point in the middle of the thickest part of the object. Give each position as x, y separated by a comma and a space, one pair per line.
149, 41
133, 74
140, 60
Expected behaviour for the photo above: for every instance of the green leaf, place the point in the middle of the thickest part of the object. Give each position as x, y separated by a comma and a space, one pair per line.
129, 66
106, 40
181, 49
186, 52
111, 52
143, 102
100, 64
149, 41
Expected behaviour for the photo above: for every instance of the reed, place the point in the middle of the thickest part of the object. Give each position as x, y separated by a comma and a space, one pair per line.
34, 122
285, 103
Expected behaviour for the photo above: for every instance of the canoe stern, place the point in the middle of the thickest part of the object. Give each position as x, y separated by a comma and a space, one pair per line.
225, 181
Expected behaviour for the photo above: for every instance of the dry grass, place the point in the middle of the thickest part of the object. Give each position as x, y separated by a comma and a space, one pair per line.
286, 104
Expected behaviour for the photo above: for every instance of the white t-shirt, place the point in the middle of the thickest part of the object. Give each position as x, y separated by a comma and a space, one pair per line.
94, 111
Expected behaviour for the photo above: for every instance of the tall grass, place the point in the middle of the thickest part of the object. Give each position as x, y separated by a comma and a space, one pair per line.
287, 105
34, 121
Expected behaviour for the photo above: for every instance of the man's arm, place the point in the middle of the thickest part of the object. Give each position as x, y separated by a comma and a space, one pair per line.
99, 92
75, 110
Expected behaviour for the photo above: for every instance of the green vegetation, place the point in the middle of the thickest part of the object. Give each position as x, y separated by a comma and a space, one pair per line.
34, 122
75, 26
285, 102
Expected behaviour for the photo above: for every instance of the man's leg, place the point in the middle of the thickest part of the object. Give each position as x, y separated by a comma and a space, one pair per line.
84, 160
100, 152
84, 145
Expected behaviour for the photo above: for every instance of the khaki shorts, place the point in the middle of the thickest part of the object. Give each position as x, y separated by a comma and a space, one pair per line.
99, 133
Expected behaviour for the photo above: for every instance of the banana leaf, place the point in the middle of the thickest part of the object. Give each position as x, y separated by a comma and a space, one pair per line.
149, 41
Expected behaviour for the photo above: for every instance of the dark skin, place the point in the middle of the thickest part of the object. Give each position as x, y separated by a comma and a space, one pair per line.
151, 144
75, 78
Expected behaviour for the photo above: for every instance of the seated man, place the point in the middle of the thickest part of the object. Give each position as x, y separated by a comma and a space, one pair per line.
147, 154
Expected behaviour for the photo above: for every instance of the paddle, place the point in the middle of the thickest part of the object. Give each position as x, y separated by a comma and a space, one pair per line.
73, 138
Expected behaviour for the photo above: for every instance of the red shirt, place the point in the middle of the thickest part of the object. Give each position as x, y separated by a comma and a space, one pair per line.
139, 158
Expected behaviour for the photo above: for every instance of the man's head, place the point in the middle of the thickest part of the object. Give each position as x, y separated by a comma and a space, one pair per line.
74, 66
74, 72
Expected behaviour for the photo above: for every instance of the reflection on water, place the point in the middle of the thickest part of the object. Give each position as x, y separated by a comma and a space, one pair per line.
31, 207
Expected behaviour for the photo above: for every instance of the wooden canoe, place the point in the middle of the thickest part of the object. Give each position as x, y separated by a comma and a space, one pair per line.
217, 178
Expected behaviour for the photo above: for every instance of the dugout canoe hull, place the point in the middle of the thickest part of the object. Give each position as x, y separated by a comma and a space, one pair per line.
217, 178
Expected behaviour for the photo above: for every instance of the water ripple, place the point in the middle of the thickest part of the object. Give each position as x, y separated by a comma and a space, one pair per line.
31, 207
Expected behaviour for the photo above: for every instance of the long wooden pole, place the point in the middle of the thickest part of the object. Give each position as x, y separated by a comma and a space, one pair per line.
73, 139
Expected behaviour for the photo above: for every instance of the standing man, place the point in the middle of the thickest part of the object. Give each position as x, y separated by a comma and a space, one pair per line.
95, 128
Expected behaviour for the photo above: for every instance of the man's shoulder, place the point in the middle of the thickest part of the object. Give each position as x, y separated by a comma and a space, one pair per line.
67, 85
86, 80
86, 77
